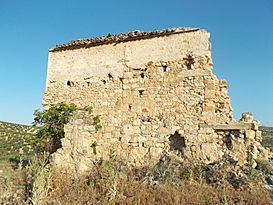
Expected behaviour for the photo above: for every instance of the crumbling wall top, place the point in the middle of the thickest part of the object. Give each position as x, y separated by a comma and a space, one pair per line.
117, 38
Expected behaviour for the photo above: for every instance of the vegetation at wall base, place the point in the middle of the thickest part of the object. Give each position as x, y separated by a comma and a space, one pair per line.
112, 182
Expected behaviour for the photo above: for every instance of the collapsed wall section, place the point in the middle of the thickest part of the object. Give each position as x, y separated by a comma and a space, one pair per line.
153, 96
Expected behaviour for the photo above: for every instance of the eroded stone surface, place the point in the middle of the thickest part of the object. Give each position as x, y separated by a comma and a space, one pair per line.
154, 96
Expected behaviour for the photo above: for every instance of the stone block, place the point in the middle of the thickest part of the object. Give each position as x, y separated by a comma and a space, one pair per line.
107, 136
127, 75
258, 136
209, 107
149, 143
127, 129
209, 94
134, 139
205, 130
247, 117
159, 145
209, 118
193, 148
109, 129
223, 83
210, 85
250, 134
195, 72
136, 129
212, 151
255, 125
209, 138
137, 122
138, 153
156, 152
229, 126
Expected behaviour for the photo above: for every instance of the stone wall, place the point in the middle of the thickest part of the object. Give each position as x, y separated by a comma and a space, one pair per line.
154, 95
238, 142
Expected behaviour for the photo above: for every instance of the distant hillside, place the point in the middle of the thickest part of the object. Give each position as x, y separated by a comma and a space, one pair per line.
267, 133
14, 139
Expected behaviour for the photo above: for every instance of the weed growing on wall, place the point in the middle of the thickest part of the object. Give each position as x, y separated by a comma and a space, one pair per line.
94, 147
96, 122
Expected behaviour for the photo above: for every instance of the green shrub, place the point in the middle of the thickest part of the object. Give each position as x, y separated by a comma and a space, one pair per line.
51, 124
264, 166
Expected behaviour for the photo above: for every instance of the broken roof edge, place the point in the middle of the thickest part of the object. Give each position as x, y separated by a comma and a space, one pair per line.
118, 38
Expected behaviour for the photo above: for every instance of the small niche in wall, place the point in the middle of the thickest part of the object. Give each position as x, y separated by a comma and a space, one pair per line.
136, 69
142, 75
141, 92
228, 142
165, 68
69, 83
130, 107
144, 69
146, 119
189, 61
229, 137
110, 77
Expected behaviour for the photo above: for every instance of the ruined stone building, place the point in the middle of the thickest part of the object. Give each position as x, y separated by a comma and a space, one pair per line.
155, 93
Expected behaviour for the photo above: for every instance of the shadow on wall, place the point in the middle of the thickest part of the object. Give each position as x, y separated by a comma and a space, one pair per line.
178, 143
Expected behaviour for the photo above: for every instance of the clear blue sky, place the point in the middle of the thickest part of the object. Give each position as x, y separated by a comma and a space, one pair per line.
241, 36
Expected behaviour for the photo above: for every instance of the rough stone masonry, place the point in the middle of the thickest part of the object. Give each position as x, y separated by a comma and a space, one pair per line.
155, 93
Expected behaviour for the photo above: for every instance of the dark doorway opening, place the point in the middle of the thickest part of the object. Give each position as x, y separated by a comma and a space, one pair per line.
177, 142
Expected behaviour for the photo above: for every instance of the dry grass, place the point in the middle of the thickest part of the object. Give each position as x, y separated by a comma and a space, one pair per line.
113, 183
132, 192
12, 185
